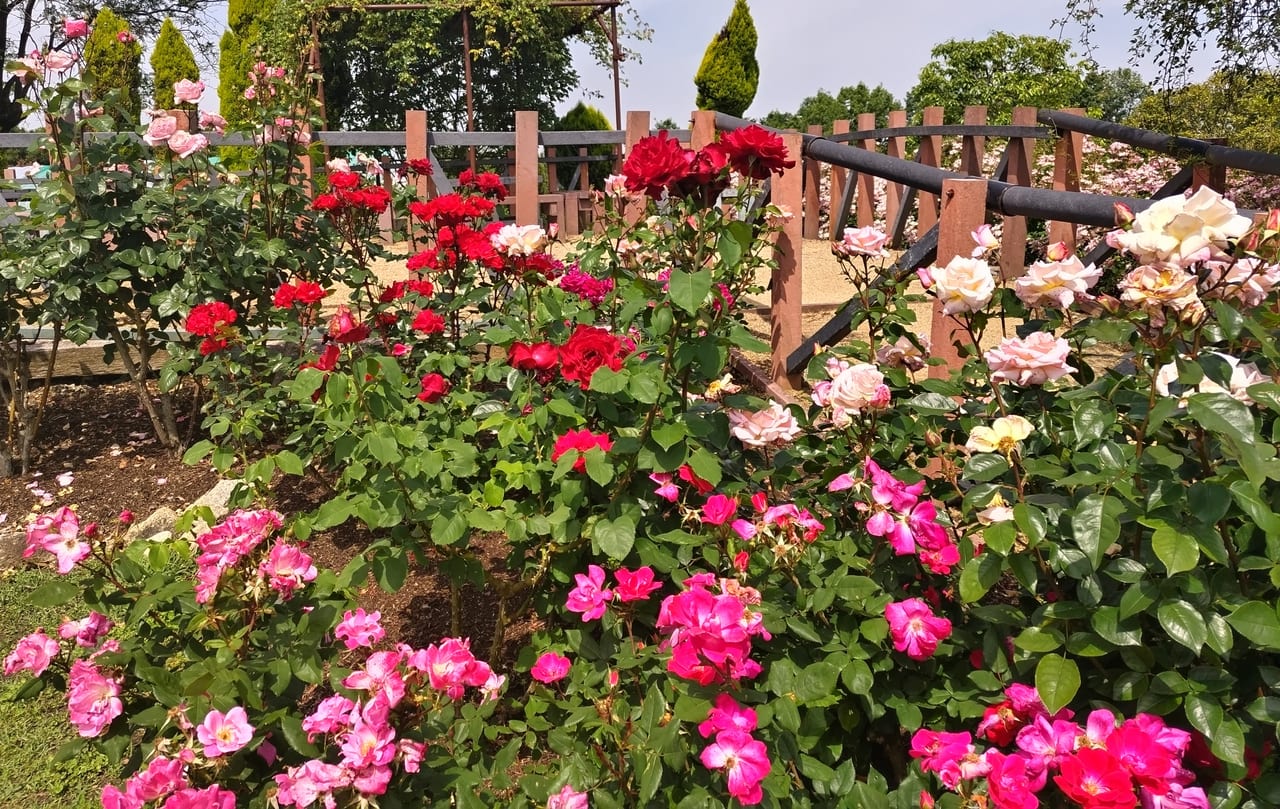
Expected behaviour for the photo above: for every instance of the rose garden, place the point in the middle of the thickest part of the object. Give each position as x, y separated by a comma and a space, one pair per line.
1046, 573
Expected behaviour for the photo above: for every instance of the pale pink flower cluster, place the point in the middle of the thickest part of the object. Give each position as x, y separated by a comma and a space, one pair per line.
58, 533
1246, 281
615, 185
1057, 283
965, 285
1184, 230
359, 628
743, 758
184, 144
1243, 375
217, 123
900, 515
519, 240
592, 598
914, 629
1038, 358
984, 240
709, 631
905, 352
852, 390
239, 535
769, 427
160, 129
1106, 762
87, 632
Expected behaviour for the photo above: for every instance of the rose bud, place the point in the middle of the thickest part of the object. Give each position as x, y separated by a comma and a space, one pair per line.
1124, 214
1058, 251
126, 517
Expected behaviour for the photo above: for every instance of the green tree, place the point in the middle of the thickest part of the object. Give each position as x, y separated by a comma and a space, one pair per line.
113, 65
1000, 72
171, 62
823, 108
1113, 94
729, 73
1238, 107
584, 118
238, 51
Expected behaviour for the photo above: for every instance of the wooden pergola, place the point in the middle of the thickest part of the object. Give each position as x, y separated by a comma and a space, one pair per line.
599, 6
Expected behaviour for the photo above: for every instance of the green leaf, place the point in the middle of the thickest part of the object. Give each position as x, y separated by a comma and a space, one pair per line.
689, 290
1091, 420
291, 726
599, 468
1184, 623
1057, 681
1178, 551
985, 466
979, 575
1258, 623
289, 462
1035, 639
1204, 714
1000, 537
53, 594
616, 537
605, 380
1221, 414
1093, 528
816, 681
706, 466
1031, 521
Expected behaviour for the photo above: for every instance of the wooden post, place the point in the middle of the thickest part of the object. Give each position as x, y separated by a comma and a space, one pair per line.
894, 192
1213, 176
973, 147
584, 171
526, 172
930, 155
553, 182
812, 183
964, 208
704, 129
1066, 177
637, 128
838, 177
1013, 239
866, 200
416, 147
785, 305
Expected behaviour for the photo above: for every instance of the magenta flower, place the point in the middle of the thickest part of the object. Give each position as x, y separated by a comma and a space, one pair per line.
914, 628
59, 534
162, 776
745, 761
359, 628
567, 798
719, 509
667, 489
1095, 778
222, 734
450, 666
32, 654
287, 568
1008, 784
214, 797
727, 715
635, 586
333, 714
87, 631
590, 596
379, 677
551, 667
93, 699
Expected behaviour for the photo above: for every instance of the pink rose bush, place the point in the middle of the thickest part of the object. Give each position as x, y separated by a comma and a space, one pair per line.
1034, 360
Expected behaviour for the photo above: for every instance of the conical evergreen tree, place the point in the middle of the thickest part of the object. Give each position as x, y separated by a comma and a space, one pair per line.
114, 63
729, 73
238, 52
171, 62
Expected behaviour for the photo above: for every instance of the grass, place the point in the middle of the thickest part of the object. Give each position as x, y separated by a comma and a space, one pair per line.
35, 728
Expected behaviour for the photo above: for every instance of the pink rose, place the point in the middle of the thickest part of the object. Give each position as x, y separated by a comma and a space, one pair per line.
773, 425
567, 798
856, 389
57, 60
914, 629
222, 734
550, 667
184, 144
74, 28
33, 653
1039, 358
868, 241
187, 91
1056, 283
160, 130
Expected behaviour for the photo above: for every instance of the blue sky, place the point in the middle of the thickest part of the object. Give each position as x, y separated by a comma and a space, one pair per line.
807, 45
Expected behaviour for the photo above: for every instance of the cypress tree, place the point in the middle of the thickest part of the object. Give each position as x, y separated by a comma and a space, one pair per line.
171, 62
238, 52
729, 73
114, 63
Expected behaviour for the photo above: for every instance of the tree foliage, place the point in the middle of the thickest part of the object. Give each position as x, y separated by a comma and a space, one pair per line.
1245, 34
238, 51
585, 118
1113, 94
1239, 108
23, 28
729, 73
114, 64
823, 108
1000, 72
171, 61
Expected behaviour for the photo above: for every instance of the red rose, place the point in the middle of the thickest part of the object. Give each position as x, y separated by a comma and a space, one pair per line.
434, 387
328, 359
326, 202
374, 199
708, 172
535, 357
754, 152
420, 165
428, 322
210, 345
589, 348
656, 163
580, 441
210, 319
344, 180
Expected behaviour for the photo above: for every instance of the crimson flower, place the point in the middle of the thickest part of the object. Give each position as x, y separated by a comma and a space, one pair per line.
428, 322
434, 388
587, 349
1095, 779
580, 441
755, 152
656, 164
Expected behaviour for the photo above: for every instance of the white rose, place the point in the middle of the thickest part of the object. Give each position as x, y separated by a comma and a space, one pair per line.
964, 285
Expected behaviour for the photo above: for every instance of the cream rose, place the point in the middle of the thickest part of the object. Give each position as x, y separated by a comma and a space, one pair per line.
1243, 374
964, 285
1162, 286
519, 240
1056, 283
1184, 230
